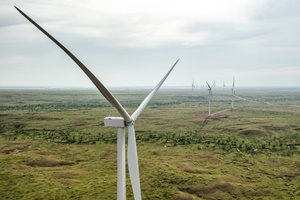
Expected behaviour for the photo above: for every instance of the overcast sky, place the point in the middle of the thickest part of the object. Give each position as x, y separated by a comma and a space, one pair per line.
135, 42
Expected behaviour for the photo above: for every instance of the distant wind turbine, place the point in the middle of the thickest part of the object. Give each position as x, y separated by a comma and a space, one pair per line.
193, 86
209, 97
214, 85
119, 122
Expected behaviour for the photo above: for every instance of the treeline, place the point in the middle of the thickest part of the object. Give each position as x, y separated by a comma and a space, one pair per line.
57, 106
80, 105
286, 144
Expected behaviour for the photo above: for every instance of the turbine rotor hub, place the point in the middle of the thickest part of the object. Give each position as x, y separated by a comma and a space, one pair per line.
131, 123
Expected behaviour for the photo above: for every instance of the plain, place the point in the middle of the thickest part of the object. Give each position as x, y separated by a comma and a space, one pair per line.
53, 144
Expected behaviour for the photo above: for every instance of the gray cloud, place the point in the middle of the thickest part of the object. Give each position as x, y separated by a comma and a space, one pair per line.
135, 43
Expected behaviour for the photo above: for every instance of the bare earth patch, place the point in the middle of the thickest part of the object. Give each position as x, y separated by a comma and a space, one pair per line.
108, 154
48, 163
191, 169
15, 148
253, 133
217, 191
213, 116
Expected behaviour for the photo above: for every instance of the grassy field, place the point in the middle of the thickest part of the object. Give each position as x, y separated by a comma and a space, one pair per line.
53, 144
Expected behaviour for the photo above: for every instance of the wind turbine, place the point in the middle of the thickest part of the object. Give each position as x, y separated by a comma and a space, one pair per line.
213, 85
233, 93
193, 86
209, 97
119, 122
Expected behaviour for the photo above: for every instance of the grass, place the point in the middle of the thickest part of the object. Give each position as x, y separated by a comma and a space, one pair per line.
53, 145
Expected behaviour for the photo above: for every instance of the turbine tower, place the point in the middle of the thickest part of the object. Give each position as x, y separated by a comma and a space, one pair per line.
209, 97
193, 86
119, 122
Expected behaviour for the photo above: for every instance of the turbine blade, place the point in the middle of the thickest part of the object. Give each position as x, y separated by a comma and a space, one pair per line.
96, 82
133, 165
145, 102
209, 88
233, 83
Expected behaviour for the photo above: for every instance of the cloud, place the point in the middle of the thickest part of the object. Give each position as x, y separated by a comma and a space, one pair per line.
119, 40
136, 23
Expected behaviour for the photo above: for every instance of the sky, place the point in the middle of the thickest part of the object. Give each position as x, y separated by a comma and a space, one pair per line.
135, 42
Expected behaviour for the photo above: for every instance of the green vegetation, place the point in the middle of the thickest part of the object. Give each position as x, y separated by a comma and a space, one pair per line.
53, 145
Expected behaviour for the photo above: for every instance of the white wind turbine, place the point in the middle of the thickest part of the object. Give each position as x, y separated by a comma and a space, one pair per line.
119, 122
214, 84
193, 86
209, 97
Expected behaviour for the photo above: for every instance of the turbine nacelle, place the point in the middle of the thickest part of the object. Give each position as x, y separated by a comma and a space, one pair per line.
118, 122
